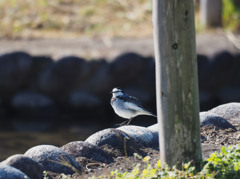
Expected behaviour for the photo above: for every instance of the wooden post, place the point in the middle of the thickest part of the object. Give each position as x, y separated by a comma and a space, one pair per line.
176, 81
211, 13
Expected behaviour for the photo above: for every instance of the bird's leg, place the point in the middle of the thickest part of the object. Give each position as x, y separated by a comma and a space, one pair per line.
121, 124
129, 121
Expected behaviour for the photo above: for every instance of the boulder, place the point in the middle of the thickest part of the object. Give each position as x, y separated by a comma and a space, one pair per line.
221, 71
229, 94
128, 68
53, 159
15, 71
208, 118
143, 135
31, 100
229, 111
8, 172
25, 164
67, 74
34, 111
154, 129
83, 99
85, 149
206, 100
117, 139
203, 70
101, 82
39, 64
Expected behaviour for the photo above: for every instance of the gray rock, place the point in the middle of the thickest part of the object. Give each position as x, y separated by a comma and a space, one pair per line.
84, 99
85, 149
208, 118
128, 68
229, 94
220, 71
40, 63
26, 165
67, 74
142, 134
229, 111
101, 81
8, 172
34, 111
15, 71
206, 100
29, 99
49, 157
117, 139
154, 129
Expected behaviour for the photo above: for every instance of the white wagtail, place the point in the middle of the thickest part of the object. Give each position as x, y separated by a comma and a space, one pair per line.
127, 106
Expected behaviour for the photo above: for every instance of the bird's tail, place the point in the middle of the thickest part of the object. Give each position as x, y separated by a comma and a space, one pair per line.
150, 114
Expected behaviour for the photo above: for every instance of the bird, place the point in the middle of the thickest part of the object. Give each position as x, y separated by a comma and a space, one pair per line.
127, 106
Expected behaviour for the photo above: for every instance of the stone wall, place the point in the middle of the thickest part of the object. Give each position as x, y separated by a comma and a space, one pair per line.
36, 88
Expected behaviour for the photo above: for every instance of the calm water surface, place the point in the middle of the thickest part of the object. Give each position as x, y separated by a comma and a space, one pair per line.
15, 142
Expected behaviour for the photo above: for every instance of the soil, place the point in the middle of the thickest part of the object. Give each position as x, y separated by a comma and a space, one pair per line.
212, 139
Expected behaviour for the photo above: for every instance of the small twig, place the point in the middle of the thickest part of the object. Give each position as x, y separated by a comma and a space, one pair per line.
93, 164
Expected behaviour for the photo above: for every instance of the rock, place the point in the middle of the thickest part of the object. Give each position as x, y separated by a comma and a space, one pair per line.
101, 81
117, 139
8, 172
220, 72
84, 99
206, 100
203, 70
84, 149
40, 63
96, 65
34, 111
67, 74
141, 134
229, 94
15, 71
208, 118
29, 99
229, 111
128, 68
26, 165
154, 129
52, 159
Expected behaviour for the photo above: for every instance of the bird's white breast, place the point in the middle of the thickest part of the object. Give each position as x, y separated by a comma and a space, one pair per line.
121, 110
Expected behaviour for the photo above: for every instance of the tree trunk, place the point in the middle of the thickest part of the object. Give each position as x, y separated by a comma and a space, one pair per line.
176, 81
211, 13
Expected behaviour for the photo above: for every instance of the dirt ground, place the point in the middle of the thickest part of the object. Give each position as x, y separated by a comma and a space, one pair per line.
212, 140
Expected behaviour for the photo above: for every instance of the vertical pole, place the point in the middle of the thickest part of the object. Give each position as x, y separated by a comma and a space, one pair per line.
176, 81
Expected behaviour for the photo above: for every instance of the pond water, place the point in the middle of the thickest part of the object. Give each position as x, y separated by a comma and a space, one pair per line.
18, 142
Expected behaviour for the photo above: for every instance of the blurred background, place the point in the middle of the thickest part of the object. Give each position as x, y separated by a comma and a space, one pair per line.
60, 59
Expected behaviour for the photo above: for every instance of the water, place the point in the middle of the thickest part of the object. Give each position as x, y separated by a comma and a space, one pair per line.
18, 142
